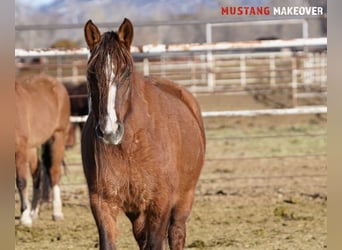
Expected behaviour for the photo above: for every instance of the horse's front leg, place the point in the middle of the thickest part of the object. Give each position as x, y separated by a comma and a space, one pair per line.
36, 170
179, 215
105, 215
21, 181
138, 221
150, 228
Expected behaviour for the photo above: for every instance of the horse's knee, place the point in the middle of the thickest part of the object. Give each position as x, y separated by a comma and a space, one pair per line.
21, 183
55, 175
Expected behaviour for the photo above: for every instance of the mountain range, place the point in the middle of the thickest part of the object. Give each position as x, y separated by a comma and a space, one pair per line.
109, 11
74, 11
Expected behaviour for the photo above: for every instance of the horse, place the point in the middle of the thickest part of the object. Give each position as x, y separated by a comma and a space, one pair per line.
142, 146
79, 107
42, 118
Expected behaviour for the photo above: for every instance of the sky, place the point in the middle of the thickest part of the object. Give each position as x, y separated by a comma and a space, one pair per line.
35, 3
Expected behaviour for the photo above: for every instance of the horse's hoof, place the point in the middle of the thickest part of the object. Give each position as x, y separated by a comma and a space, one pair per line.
26, 219
34, 215
58, 217
27, 222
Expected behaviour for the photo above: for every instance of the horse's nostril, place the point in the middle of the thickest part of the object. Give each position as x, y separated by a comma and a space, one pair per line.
98, 131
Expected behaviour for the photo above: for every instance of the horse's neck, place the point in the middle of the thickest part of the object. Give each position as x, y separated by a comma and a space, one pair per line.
137, 97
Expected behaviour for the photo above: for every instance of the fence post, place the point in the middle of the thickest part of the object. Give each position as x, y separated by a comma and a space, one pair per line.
74, 71
162, 65
243, 72
272, 71
211, 74
323, 64
308, 70
294, 84
146, 67
59, 67
192, 66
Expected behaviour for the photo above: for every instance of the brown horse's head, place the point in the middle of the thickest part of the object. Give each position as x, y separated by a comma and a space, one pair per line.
109, 72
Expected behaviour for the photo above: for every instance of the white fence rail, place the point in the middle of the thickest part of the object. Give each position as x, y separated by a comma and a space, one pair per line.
289, 111
205, 66
220, 67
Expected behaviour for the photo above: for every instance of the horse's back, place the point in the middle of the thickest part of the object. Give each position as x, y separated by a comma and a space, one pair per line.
43, 107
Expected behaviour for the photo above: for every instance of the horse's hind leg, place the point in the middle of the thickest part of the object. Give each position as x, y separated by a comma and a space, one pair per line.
54, 150
21, 182
35, 168
177, 228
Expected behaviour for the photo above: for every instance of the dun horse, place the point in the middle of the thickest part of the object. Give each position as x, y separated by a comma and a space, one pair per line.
42, 117
143, 145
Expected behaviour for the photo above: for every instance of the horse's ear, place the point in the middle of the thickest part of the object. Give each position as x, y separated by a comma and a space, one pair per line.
126, 33
92, 34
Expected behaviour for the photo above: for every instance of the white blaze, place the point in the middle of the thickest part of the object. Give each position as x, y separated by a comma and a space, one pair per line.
111, 121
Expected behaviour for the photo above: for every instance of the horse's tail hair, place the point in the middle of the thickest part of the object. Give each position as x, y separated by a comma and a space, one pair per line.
47, 161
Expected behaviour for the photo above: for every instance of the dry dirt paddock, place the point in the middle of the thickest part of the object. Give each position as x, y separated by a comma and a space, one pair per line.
263, 187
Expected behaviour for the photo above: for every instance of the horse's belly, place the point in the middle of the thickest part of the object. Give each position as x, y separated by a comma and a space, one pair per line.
37, 138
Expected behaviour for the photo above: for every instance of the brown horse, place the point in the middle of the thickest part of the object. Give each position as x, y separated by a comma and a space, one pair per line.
42, 117
79, 107
143, 145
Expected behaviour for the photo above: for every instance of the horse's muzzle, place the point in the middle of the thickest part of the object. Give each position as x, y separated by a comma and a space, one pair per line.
114, 138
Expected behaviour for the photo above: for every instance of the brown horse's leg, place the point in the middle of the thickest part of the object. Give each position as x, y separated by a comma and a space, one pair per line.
140, 233
150, 228
106, 218
21, 181
177, 228
57, 155
35, 168
157, 227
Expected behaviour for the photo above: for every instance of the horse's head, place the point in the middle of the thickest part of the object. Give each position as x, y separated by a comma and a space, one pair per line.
109, 71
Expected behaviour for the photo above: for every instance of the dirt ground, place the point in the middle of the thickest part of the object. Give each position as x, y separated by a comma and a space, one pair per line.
263, 186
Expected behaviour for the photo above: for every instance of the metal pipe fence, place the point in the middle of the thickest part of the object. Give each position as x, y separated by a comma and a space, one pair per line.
227, 67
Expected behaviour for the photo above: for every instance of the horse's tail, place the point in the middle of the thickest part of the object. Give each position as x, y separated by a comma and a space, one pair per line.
47, 160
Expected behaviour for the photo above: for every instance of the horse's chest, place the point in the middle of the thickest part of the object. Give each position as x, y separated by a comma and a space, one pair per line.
131, 189
138, 173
